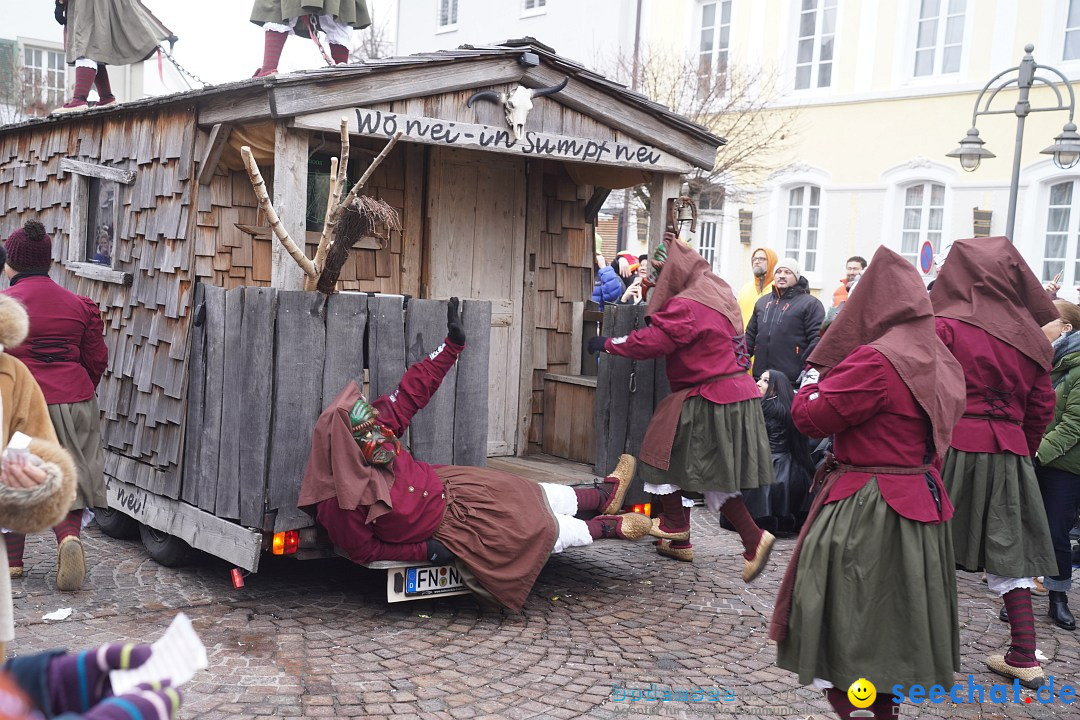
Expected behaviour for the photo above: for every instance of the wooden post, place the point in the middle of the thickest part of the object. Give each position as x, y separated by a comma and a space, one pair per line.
290, 201
663, 186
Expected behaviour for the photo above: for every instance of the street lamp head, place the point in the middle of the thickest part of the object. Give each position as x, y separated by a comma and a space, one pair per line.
1066, 147
971, 151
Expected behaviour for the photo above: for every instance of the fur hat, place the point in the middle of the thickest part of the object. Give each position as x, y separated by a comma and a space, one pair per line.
29, 248
790, 263
14, 322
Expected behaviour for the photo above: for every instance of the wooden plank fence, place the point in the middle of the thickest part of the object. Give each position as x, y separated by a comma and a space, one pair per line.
627, 392
264, 364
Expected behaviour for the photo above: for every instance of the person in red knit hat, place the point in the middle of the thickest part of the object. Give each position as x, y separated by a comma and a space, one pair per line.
66, 353
279, 18
100, 33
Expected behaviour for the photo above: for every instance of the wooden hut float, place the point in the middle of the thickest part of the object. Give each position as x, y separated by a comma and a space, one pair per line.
213, 342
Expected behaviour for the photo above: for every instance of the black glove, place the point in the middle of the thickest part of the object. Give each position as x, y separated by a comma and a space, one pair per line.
60, 12
454, 329
437, 553
596, 344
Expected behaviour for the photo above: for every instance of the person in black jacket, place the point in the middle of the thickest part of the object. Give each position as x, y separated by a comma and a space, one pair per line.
783, 330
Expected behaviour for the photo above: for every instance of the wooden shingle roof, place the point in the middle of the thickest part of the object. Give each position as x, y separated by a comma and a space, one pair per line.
467, 67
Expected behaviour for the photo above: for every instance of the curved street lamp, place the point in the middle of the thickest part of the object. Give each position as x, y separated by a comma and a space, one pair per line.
1066, 147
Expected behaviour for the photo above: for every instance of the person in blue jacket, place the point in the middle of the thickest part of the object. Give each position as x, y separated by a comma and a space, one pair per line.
610, 283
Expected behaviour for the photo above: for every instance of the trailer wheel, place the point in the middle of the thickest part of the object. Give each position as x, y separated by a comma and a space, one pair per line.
116, 524
166, 549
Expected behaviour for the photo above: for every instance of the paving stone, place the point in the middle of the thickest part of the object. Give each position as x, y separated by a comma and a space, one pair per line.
317, 639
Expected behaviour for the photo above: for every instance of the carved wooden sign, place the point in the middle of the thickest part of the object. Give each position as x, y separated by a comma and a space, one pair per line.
471, 136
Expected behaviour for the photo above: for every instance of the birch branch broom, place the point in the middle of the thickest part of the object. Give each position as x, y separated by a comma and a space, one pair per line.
334, 245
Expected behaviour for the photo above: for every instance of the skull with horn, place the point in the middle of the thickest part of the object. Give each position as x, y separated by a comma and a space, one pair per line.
517, 103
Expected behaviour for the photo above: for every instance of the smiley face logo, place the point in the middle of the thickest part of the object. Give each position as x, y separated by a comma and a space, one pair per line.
862, 693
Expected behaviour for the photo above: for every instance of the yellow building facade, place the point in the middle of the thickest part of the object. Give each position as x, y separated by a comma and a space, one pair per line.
883, 90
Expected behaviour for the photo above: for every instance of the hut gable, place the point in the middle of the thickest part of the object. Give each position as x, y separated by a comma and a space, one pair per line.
146, 161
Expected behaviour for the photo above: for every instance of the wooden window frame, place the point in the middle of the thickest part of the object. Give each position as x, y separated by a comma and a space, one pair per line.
75, 261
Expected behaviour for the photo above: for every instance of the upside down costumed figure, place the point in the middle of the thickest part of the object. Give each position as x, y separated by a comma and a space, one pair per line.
378, 502
870, 591
709, 435
990, 310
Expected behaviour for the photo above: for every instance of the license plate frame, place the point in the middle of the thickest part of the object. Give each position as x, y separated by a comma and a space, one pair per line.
428, 580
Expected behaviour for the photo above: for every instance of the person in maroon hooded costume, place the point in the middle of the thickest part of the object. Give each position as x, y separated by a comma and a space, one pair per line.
870, 591
990, 310
66, 353
378, 502
709, 434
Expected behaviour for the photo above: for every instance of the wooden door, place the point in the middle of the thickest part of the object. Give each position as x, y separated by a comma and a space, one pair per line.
476, 249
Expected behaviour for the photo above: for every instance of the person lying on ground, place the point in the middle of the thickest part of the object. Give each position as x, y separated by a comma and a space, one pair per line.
378, 502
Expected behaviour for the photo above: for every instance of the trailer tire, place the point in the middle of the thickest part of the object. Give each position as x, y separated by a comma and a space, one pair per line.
116, 524
165, 549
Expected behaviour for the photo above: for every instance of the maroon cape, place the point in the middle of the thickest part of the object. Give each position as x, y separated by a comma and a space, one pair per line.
986, 283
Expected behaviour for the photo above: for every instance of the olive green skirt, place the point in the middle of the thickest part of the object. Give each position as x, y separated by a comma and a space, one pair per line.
874, 598
724, 448
999, 525
349, 12
78, 430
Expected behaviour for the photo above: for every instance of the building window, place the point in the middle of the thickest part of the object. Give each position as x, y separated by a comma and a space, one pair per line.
1072, 32
804, 210
924, 212
939, 37
1061, 224
708, 241
532, 6
447, 14
715, 36
814, 50
44, 74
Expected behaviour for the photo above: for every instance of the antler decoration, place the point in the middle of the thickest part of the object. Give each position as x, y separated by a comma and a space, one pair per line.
314, 271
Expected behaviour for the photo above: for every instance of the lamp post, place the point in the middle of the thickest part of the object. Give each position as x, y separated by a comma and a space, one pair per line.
1066, 147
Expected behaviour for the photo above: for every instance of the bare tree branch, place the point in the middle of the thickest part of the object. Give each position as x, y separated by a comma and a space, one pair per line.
373, 43
736, 103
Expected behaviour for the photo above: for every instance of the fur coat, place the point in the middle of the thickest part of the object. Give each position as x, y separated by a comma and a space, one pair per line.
24, 410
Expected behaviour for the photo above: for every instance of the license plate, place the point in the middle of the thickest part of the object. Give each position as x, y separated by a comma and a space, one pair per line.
432, 580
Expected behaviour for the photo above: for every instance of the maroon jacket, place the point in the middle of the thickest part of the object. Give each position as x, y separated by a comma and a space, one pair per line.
875, 421
65, 349
1009, 398
417, 492
699, 344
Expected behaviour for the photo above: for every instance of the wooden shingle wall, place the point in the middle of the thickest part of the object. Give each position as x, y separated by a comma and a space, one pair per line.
230, 257
564, 275
146, 325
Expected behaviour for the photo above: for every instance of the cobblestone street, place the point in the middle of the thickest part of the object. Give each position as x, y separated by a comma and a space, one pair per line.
317, 639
